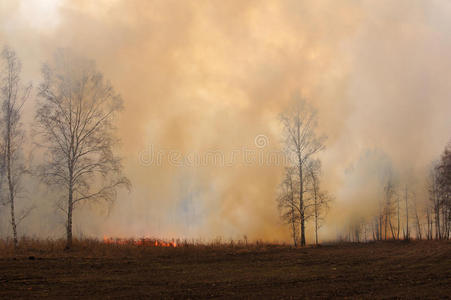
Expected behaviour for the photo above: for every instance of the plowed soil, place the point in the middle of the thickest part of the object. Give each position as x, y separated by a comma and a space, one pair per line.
373, 270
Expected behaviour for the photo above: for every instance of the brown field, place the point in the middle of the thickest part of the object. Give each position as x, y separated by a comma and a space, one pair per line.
94, 269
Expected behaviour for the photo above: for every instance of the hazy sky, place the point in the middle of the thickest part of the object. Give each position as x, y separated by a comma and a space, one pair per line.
202, 77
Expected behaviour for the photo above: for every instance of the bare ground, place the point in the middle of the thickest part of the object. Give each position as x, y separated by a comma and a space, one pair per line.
93, 270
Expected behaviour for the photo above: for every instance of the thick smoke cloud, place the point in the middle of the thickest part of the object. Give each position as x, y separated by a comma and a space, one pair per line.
204, 77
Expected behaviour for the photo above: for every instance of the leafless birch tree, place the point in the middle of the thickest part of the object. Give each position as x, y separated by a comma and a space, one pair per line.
75, 120
13, 97
301, 142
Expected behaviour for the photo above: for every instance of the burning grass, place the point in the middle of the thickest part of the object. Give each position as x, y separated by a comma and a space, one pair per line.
145, 242
109, 246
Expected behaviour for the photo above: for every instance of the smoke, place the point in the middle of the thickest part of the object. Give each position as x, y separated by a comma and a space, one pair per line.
200, 78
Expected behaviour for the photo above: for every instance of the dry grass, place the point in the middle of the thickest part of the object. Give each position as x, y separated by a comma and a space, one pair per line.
119, 247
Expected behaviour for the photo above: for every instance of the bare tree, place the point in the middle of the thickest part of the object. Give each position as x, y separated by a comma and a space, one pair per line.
389, 193
320, 199
434, 196
380, 220
444, 190
417, 219
439, 187
13, 96
429, 224
376, 228
406, 199
75, 120
288, 204
357, 230
301, 142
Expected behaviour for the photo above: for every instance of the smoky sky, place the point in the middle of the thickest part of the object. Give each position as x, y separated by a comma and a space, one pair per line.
203, 77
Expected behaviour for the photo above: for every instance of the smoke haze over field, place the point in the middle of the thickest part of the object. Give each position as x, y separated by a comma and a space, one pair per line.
202, 77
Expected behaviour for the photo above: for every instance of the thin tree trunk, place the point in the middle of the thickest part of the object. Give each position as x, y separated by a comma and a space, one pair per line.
385, 224
380, 226
316, 226
364, 230
392, 230
407, 216
293, 219
375, 230
10, 179
69, 219
418, 224
293, 226
13, 223
399, 223
445, 228
315, 188
301, 203
437, 218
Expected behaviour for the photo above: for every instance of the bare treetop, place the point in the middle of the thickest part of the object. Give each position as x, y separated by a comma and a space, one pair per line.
300, 123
